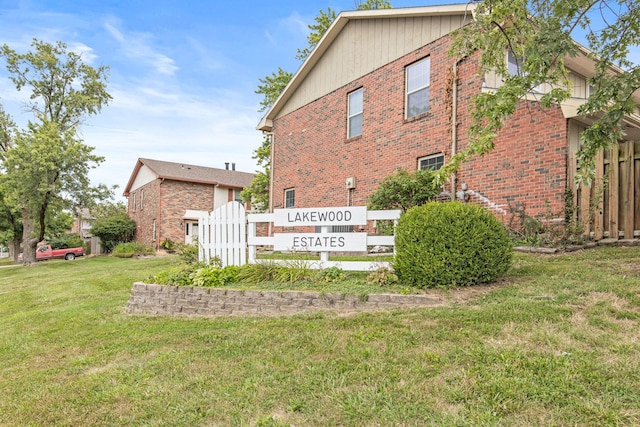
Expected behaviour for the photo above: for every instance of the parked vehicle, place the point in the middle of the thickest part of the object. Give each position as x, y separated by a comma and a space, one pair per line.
46, 252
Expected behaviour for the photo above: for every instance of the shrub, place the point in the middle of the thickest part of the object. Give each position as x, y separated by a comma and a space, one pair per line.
331, 275
177, 276
113, 230
382, 276
270, 271
70, 240
263, 271
450, 244
213, 276
187, 253
128, 250
168, 245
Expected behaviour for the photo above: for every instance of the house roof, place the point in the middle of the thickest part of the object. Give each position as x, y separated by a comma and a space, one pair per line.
191, 173
332, 33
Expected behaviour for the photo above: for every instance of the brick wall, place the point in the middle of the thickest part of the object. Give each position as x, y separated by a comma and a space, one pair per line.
312, 154
165, 202
178, 196
145, 212
187, 301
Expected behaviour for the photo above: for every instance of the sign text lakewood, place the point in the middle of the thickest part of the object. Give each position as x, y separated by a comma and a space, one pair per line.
320, 217
350, 215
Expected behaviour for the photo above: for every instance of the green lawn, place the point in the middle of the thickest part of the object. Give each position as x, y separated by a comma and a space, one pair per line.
556, 342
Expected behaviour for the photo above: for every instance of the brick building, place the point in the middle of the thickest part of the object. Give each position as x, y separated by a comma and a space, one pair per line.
379, 92
165, 199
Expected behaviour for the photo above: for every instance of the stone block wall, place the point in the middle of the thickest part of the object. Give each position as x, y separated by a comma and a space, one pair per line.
152, 299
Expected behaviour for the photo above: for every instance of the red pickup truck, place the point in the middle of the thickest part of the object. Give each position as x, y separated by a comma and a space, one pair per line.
46, 252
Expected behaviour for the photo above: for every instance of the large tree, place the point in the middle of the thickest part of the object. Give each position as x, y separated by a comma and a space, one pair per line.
10, 221
47, 166
540, 35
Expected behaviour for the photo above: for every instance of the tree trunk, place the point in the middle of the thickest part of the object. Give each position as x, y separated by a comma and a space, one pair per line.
29, 243
14, 249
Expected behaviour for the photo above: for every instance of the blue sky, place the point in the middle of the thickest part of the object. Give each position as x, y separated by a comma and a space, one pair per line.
183, 74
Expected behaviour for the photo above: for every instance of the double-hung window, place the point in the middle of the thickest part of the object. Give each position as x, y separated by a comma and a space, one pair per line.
354, 126
418, 83
289, 198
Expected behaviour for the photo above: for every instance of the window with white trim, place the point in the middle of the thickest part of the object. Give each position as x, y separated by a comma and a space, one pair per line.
433, 162
155, 230
236, 196
133, 209
289, 197
354, 125
141, 199
418, 85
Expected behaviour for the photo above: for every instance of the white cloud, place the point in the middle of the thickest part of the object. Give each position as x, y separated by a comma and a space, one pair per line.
136, 45
87, 53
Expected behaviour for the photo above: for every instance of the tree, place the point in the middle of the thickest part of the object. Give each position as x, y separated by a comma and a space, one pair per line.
271, 88
10, 221
112, 225
373, 4
258, 192
47, 166
323, 22
538, 33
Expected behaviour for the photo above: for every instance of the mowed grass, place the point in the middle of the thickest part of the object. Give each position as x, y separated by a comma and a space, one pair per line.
556, 342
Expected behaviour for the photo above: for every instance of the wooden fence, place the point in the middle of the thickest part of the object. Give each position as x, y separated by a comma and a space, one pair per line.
610, 207
223, 235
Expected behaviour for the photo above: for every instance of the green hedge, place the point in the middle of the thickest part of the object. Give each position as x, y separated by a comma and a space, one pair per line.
450, 244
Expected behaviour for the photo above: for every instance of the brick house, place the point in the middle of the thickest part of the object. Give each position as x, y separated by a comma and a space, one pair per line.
379, 92
165, 199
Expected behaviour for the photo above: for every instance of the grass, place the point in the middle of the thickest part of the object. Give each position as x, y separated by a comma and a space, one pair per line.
553, 343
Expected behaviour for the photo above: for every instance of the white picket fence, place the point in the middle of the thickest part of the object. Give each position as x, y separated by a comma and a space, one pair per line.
223, 235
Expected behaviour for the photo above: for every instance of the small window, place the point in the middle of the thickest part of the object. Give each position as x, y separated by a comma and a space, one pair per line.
155, 231
289, 198
355, 113
434, 162
418, 82
134, 203
236, 196
514, 64
141, 199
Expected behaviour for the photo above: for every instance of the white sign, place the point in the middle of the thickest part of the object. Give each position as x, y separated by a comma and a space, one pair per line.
349, 215
319, 242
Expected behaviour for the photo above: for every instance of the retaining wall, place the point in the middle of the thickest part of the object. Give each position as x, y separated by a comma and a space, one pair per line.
164, 300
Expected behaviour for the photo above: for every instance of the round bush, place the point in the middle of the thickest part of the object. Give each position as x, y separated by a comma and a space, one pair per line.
450, 244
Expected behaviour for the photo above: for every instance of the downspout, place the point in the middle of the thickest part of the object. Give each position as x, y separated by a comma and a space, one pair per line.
272, 160
454, 122
159, 224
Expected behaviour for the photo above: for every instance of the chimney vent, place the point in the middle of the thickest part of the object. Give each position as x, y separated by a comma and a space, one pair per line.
233, 166
226, 165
